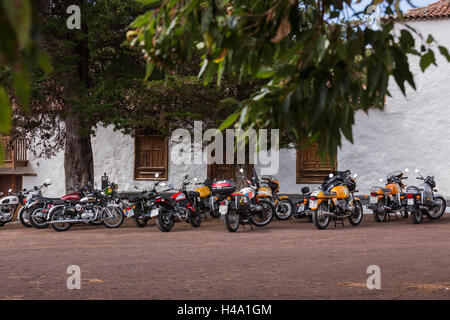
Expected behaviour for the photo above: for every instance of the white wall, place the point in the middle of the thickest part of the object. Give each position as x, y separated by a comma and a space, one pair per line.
412, 132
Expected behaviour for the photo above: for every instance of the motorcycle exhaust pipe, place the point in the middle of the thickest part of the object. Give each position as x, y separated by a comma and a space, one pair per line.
68, 221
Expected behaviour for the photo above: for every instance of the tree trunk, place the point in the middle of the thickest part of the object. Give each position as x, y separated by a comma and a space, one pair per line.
78, 158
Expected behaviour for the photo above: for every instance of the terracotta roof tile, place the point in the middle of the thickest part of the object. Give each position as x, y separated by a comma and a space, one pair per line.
436, 10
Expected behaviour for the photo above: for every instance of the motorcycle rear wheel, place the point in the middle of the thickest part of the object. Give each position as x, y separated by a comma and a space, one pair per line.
140, 220
321, 221
214, 212
377, 215
436, 214
263, 219
417, 216
23, 217
356, 218
165, 220
288, 207
115, 221
194, 218
37, 221
232, 220
59, 214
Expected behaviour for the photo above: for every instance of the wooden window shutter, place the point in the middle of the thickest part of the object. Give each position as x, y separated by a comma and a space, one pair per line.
310, 169
151, 156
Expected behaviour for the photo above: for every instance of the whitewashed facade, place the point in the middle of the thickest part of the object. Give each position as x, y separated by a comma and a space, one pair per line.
412, 132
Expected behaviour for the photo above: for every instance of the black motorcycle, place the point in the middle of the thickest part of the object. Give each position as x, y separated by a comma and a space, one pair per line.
143, 205
422, 200
301, 209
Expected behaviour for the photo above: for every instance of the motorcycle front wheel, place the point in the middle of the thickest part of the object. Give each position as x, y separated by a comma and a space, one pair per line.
284, 209
56, 215
165, 220
38, 219
114, 218
356, 217
194, 218
232, 220
319, 218
23, 217
264, 217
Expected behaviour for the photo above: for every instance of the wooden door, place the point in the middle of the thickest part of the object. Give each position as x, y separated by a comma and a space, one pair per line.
151, 156
10, 181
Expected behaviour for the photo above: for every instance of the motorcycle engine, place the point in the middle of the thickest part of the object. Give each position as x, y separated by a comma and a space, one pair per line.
181, 213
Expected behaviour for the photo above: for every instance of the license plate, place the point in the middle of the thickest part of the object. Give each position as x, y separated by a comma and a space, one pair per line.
154, 213
129, 213
373, 199
301, 208
313, 204
223, 209
410, 202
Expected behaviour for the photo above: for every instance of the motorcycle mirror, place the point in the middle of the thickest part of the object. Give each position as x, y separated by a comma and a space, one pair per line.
355, 175
170, 186
195, 179
406, 170
186, 176
331, 175
416, 171
47, 180
24, 190
156, 175
162, 184
9, 190
136, 187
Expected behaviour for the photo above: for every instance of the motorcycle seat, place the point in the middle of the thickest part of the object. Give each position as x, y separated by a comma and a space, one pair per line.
47, 200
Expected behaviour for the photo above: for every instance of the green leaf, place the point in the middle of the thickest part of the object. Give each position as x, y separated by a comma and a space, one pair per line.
149, 70
229, 121
146, 2
265, 72
5, 112
444, 52
427, 59
21, 86
19, 15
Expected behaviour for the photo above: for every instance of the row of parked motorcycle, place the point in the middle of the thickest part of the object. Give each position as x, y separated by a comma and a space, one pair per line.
255, 205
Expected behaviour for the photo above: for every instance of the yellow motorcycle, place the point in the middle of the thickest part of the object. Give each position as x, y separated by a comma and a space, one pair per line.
282, 204
334, 199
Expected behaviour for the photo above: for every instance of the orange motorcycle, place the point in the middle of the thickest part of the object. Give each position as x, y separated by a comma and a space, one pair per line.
282, 204
334, 199
390, 199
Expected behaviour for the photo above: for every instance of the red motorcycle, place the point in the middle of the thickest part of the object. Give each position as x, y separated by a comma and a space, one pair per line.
181, 206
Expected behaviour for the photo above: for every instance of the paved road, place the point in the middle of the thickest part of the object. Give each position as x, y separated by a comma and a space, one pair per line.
286, 260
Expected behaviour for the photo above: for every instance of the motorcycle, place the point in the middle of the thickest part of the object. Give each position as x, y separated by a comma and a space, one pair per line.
302, 206
390, 199
282, 204
245, 207
10, 203
180, 207
86, 205
423, 200
206, 200
335, 199
143, 206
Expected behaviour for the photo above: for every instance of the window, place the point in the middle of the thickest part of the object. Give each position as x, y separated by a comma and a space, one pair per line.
310, 169
150, 157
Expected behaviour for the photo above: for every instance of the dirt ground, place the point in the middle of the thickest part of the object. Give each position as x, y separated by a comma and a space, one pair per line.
286, 260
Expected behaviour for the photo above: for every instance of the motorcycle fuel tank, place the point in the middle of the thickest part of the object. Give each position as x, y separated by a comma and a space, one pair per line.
10, 200
71, 197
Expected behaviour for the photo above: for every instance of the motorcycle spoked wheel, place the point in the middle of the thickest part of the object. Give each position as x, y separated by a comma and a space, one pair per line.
165, 220
58, 214
194, 218
284, 209
320, 220
117, 217
404, 213
356, 218
263, 218
140, 220
439, 211
232, 220
417, 216
38, 219
380, 216
23, 217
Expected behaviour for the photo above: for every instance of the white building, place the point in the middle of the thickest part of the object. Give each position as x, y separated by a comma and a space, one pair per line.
411, 132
